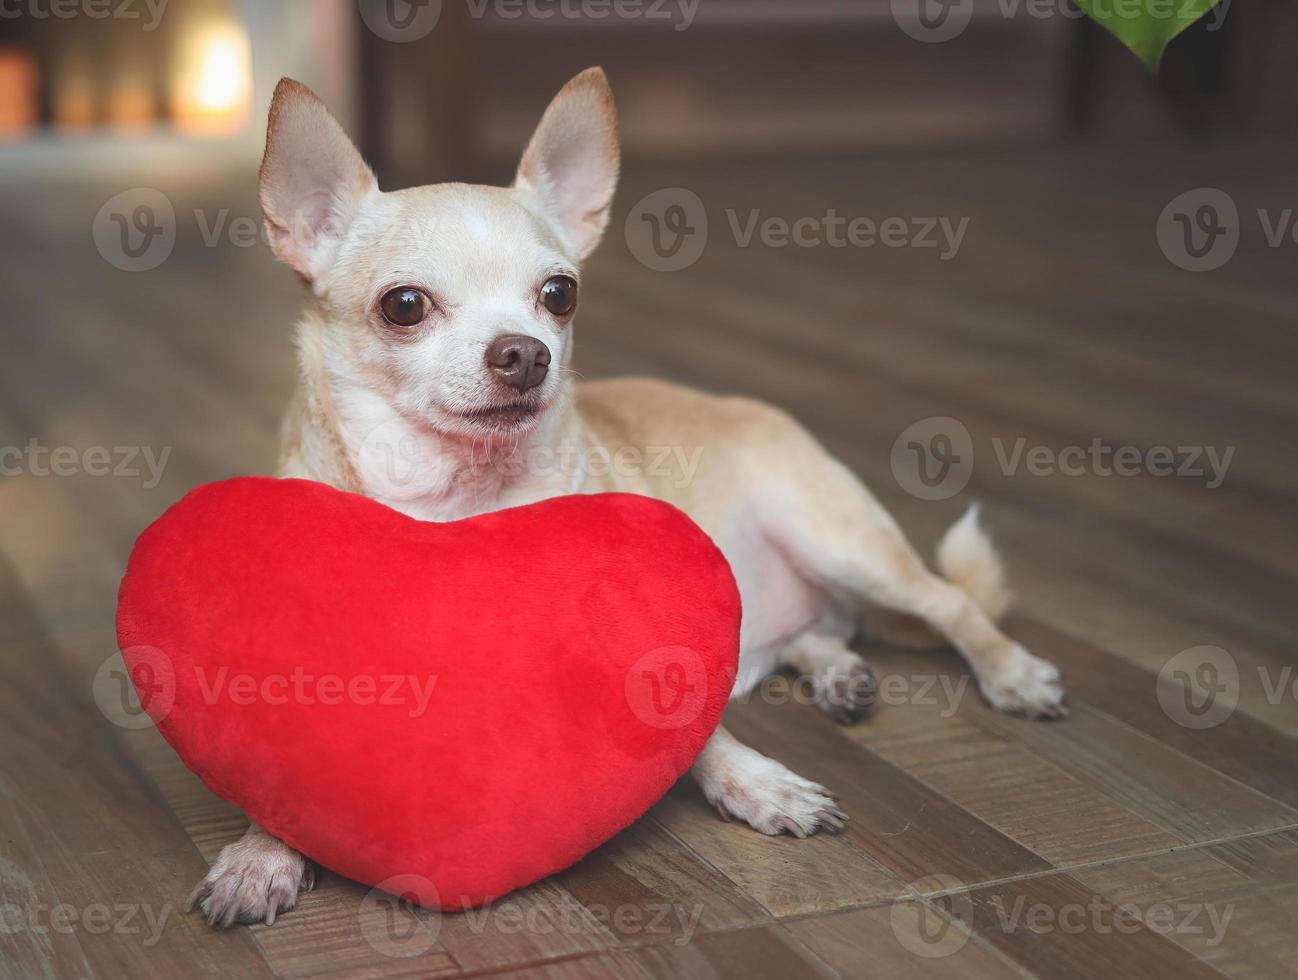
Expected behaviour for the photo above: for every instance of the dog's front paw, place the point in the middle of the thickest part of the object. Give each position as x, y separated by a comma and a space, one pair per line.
1025, 685
253, 880
773, 800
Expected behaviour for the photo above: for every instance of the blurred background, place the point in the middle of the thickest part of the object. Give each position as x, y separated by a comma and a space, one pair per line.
694, 77
1055, 249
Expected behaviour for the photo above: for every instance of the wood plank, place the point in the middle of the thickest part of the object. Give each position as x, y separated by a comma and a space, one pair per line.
603, 966
1170, 787
1148, 634
1245, 749
997, 777
751, 953
904, 825
1150, 784
885, 942
786, 876
35, 941
645, 886
103, 846
770, 952
536, 924
1232, 906
1056, 926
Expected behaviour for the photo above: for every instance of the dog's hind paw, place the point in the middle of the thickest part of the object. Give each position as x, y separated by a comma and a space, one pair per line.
846, 690
1025, 685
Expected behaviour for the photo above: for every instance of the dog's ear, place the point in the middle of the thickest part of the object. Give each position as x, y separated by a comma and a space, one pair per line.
571, 164
312, 180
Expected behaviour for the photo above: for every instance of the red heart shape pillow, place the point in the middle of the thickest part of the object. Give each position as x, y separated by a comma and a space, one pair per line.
473, 704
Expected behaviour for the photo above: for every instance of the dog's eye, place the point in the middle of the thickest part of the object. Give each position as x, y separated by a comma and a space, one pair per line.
559, 294
404, 306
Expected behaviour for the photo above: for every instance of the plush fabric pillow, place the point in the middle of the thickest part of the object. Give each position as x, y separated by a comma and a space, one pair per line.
471, 705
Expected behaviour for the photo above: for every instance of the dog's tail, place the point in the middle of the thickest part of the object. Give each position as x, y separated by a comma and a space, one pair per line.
967, 559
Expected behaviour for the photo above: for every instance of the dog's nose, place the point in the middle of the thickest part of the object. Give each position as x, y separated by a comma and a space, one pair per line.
521, 362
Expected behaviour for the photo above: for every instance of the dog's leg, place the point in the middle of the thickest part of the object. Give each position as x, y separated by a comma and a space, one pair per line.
253, 880
870, 559
841, 539
841, 681
1010, 678
742, 783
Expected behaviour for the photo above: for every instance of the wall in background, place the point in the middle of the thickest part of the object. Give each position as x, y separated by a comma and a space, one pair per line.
712, 77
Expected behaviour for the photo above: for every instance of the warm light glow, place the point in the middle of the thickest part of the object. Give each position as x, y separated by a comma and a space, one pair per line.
131, 106
76, 110
221, 77
213, 86
17, 92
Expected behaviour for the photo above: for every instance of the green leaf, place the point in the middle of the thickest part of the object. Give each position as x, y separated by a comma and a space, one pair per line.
1147, 27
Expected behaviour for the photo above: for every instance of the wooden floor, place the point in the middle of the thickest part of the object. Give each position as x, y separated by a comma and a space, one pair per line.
1117, 843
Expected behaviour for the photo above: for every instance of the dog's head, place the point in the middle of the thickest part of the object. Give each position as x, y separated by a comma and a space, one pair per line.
453, 302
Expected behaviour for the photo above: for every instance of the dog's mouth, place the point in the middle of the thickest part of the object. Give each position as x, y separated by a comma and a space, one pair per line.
504, 416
